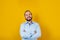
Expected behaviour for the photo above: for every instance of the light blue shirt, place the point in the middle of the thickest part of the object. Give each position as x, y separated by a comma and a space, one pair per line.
27, 31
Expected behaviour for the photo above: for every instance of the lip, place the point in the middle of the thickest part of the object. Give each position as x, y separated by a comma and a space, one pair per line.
29, 18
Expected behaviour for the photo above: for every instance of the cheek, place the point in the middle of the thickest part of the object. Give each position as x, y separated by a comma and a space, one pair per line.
30, 16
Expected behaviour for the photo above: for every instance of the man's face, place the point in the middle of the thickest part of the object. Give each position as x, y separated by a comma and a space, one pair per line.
28, 16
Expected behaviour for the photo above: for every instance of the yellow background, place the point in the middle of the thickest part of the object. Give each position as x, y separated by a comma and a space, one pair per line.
45, 12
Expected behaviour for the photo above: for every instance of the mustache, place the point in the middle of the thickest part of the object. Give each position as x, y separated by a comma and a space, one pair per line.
29, 17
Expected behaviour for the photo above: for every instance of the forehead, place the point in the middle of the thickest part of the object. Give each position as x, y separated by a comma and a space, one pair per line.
26, 13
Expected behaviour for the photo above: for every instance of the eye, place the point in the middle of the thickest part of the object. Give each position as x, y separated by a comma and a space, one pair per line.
26, 15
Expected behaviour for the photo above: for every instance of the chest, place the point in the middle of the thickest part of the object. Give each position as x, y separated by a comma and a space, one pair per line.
30, 28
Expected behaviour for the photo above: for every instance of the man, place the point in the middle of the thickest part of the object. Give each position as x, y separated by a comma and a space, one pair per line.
29, 30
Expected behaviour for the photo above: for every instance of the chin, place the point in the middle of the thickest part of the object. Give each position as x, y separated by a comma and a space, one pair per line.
29, 20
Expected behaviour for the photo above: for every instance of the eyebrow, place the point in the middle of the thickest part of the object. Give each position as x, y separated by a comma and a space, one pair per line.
28, 11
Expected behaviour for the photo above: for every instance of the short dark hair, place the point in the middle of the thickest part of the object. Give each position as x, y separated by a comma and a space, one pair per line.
27, 11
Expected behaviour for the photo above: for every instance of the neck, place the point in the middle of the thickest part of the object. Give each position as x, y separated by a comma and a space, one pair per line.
30, 22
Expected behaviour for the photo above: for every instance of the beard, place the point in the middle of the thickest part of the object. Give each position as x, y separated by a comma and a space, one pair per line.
28, 19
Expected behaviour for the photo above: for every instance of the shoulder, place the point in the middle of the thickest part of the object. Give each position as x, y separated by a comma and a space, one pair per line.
35, 23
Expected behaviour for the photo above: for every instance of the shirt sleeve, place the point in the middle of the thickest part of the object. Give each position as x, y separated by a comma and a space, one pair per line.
38, 32
22, 33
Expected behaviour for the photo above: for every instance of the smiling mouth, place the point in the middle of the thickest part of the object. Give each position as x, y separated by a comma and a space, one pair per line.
29, 18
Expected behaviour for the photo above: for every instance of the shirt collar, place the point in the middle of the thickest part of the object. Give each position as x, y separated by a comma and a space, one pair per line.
27, 22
